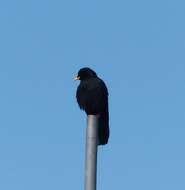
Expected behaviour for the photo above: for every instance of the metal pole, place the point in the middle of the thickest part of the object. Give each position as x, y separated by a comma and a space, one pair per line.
91, 152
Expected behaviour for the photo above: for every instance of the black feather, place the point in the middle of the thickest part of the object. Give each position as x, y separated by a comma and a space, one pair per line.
92, 97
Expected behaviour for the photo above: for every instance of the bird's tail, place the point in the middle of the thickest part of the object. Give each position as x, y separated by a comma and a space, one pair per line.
103, 129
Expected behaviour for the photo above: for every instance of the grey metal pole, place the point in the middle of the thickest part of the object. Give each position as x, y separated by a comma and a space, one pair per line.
91, 152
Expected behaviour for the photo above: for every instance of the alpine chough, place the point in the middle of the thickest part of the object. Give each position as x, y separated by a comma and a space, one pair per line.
92, 97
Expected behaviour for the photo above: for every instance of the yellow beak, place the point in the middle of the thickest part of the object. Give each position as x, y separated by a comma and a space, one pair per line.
77, 78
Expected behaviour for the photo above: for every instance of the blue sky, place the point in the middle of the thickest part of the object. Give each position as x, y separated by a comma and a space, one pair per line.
137, 47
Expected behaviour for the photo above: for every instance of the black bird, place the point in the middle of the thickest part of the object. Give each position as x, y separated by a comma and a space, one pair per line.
92, 97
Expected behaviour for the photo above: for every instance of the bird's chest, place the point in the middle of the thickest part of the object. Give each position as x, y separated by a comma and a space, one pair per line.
86, 93
87, 86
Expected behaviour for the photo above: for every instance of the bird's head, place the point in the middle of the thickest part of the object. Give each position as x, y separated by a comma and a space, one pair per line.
85, 73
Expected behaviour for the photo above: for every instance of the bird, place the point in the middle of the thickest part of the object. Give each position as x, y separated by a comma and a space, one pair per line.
92, 97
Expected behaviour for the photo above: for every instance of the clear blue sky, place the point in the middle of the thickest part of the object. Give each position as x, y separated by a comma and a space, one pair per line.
137, 47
